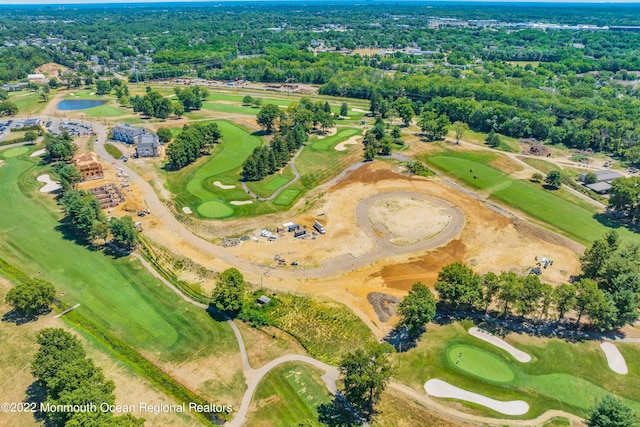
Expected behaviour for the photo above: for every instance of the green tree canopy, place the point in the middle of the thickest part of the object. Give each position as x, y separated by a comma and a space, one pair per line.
611, 412
228, 294
31, 296
417, 308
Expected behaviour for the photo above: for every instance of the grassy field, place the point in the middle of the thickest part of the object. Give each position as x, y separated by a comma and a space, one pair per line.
508, 144
564, 212
113, 151
28, 102
194, 185
288, 395
561, 375
326, 329
116, 294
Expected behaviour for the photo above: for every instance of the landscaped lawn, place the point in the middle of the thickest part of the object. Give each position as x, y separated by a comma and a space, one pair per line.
117, 294
288, 395
28, 102
106, 110
286, 197
562, 375
570, 216
271, 183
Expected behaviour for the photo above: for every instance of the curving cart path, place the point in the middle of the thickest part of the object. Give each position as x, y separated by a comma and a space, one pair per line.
292, 163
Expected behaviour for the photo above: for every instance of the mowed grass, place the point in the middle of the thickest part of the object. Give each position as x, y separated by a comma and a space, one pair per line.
562, 375
286, 197
573, 218
106, 110
288, 395
194, 185
271, 183
480, 363
119, 295
27, 102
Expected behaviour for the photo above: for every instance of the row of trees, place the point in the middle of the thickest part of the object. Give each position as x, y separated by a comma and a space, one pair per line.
305, 113
194, 141
377, 141
266, 160
59, 147
153, 104
69, 377
191, 97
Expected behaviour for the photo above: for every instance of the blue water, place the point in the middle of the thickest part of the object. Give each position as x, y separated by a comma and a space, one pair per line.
79, 104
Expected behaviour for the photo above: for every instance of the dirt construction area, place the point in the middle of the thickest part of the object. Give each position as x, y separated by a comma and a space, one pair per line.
354, 258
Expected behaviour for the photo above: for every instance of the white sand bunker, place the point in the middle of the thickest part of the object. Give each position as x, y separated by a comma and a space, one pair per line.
359, 110
187, 210
614, 358
439, 388
49, 185
38, 153
351, 141
329, 132
241, 202
519, 355
224, 187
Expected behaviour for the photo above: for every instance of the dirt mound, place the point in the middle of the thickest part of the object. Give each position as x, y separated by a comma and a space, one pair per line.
384, 305
51, 69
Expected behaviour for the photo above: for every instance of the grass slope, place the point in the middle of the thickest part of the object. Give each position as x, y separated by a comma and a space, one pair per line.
288, 395
565, 213
116, 294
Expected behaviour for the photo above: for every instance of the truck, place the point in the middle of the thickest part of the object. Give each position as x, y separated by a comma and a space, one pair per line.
299, 233
318, 227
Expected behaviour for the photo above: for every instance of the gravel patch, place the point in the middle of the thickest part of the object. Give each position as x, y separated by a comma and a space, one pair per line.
384, 305
439, 388
519, 355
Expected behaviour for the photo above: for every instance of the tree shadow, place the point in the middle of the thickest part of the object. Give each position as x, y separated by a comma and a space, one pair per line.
36, 394
612, 219
550, 187
336, 414
112, 250
20, 318
260, 132
218, 315
402, 339
68, 233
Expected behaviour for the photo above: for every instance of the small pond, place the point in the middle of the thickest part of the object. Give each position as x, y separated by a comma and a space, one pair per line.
79, 104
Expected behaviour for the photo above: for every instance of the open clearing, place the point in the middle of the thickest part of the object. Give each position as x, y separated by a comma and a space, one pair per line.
409, 220
520, 356
615, 360
439, 388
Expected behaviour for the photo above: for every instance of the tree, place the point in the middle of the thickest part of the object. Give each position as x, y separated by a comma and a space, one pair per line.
164, 135
554, 179
8, 108
459, 128
178, 110
611, 412
124, 232
344, 110
417, 308
229, 291
433, 127
370, 153
404, 107
267, 116
365, 374
31, 296
103, 87
458, 284
493, 140
537, 177
69, 175
247, 100
564, 297
590, 178
30, 136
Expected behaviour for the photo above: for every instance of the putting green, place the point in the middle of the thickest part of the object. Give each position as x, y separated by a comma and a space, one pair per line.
215, 209
15, 152
480, 363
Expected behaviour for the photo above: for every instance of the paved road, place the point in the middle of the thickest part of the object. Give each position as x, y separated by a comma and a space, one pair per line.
292, 163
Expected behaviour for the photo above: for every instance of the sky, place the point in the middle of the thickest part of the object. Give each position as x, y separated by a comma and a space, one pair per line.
60, 2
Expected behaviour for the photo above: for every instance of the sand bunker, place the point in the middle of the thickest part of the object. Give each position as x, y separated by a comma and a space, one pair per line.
520, 356
614, 358
408, 220
49, 185
224, 187
439, 388
38, 153
327, 133
359, 110
241, 202
187, 210
351, 141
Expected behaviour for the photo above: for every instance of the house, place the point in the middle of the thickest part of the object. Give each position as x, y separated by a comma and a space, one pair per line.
603, 176
126, 133
35, 78
603, 180
147, 145
89, 166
